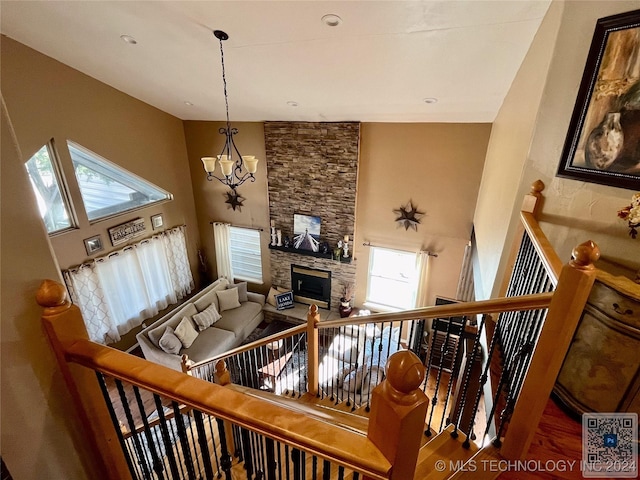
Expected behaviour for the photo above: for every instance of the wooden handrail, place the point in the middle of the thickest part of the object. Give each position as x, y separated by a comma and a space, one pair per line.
548, 256
319, 438
506, 304
250, 346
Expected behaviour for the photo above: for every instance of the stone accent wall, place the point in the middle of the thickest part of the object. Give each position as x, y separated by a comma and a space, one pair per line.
312, 169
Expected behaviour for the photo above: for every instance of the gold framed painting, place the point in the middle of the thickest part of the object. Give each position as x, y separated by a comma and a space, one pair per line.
603, 142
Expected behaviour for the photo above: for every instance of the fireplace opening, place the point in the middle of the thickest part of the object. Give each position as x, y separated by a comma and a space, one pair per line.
311, 286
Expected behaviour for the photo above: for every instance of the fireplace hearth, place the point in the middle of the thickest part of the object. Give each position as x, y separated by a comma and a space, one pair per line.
311, 286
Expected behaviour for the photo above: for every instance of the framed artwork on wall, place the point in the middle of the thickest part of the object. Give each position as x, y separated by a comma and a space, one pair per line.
126, 231
603, 142
93, 244
306, 232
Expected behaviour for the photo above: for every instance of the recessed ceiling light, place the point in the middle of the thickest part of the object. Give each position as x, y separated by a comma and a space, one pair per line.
188, 104
331, 20
430, 100
291, 103
128, 39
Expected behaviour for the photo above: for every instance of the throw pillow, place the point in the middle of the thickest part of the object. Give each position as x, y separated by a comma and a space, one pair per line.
242, 291
228, 299
169, 342
186, 332
206, 318
273, 291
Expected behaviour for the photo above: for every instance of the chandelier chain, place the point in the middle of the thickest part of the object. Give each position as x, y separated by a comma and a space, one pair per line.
224, 84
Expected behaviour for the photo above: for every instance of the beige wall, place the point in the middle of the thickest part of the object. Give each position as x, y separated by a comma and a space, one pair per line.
439, 167
526, 145
506, 155
576, 211
45, 100
203, 140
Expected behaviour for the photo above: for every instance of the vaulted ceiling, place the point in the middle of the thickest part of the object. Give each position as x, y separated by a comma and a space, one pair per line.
283, 62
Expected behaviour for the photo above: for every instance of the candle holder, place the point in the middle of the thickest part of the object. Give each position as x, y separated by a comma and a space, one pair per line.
279, 235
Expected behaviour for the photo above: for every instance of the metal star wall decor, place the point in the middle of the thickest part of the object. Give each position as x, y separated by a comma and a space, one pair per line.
408, 216
234, 199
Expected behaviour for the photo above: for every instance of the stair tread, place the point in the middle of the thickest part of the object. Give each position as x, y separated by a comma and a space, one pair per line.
442, 447
307, 404
480, 472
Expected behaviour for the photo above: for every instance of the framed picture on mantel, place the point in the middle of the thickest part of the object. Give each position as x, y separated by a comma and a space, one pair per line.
603, 141
306, 232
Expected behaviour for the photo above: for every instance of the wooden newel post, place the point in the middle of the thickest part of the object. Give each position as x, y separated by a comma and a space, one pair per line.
63, 325
313, 318
565, 311
398, 410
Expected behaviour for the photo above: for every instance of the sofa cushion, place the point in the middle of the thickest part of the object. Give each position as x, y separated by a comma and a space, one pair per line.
242, 290
206, 318
155, 334
169, 342
210, 342
228, 299
237, 320
210, 297
186, 332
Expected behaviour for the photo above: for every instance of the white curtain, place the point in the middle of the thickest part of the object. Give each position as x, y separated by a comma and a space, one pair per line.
423, 261
117, 292
222, 239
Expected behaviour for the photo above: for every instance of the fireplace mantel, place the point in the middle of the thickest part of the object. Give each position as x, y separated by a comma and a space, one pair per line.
309, 253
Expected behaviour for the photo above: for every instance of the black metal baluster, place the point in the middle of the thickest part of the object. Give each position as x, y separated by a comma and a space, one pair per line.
261, 456
356, 476
255, 448
279, 461
471, 360
287, 467
184, 441
225, 457
151, 447
342, 363
326, 470
451, 375
340, 472
114, 420
166, 438
271, 459
379, 374
213, 443
246, 447
443, 353
138, 449
314, 468
295, 459
197, 466
202, 442
303, 464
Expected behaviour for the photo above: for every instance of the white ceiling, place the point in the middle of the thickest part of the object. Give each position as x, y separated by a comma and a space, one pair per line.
377, 66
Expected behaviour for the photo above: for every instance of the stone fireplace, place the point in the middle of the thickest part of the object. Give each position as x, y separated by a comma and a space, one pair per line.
312, 169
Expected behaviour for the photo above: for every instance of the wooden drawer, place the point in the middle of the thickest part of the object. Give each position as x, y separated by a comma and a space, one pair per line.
615, 304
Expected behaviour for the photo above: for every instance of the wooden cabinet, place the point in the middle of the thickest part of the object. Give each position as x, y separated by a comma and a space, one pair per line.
601, 371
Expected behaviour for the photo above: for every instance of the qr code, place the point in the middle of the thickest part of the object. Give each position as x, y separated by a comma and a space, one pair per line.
610, 445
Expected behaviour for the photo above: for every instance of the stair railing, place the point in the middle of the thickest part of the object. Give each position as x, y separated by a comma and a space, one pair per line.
144, 420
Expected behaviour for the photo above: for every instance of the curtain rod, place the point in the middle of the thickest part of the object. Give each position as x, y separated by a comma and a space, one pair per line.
369, 244
260, 229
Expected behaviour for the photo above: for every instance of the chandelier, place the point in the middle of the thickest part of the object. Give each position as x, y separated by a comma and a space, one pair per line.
233, 173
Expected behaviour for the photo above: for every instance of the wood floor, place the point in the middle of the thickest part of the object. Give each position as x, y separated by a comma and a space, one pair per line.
558, 439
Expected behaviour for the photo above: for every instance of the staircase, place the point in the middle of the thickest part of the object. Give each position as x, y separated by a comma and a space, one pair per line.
342, 398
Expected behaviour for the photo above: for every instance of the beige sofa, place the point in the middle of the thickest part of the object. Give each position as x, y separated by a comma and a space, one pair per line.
228, 332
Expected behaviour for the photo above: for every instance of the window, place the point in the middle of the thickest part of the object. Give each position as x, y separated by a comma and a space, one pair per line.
246, 258
392, 282
117, 292
108, 189
52, 198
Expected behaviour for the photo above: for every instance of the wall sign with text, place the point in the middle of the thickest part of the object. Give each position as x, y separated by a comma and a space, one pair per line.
125, 232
